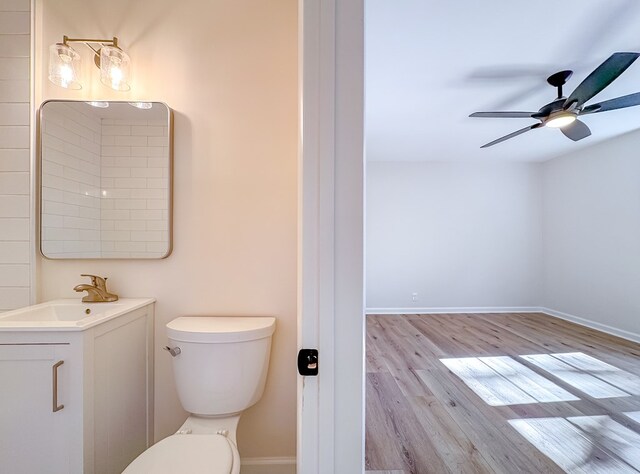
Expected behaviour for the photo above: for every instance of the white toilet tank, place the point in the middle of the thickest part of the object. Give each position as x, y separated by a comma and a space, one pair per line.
221, 368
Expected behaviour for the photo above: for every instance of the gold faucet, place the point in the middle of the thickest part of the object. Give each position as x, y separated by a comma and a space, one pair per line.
96, 291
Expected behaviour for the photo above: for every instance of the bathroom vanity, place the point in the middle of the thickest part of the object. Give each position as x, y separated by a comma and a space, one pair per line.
76, 386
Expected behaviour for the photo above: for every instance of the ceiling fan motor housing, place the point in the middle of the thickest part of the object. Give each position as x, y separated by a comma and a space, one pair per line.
559, 79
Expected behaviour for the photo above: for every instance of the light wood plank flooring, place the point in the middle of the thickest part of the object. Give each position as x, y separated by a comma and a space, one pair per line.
571, 405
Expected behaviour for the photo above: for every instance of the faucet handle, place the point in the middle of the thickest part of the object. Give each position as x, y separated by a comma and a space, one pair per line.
95, 279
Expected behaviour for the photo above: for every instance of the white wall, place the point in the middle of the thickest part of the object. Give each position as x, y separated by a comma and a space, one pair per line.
458, 234
591, 222
563, 235
15, 250
229, 71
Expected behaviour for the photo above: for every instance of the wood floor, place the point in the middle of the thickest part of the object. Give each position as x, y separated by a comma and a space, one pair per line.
452, 393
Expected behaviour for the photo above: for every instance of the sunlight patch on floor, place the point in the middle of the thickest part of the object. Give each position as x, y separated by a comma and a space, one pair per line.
503, 381
589, 444
588, 374
634, 415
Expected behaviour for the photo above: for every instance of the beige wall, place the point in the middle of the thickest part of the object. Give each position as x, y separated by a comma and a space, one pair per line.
228, 69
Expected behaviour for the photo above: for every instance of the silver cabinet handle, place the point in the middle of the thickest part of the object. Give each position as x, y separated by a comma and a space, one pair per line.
56, 407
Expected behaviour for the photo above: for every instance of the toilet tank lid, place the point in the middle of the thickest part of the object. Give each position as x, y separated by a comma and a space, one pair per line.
212, 329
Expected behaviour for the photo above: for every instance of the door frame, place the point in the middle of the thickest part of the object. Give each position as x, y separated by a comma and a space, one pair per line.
331, 235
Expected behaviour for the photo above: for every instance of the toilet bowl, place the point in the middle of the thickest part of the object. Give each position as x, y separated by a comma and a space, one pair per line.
191, 453
220, 367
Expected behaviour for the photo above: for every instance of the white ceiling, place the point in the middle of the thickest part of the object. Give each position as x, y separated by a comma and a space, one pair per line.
429, 64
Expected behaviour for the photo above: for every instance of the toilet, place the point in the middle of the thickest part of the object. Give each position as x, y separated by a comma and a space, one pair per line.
220, 366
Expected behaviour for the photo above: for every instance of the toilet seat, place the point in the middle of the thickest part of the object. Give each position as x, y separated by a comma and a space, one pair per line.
187, 454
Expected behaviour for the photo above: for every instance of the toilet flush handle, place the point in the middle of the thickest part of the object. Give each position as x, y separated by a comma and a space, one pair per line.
174, 351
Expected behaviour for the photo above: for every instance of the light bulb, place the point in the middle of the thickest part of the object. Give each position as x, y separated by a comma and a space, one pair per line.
561, 120
66, 75
116, 76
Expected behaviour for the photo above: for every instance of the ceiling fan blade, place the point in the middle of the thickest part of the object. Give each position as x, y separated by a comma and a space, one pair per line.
613, 104
502, 114
576, 131
511, 135
601, 77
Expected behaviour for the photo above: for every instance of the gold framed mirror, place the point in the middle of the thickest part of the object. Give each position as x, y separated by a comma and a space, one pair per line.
105, 179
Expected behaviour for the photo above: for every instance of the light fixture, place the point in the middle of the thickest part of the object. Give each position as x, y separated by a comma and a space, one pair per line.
561, 119
64, 66
98, 103
114, 68
141, 105
64, 63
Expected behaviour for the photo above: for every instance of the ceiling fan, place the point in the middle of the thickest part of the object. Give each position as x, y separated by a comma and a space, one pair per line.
563, 112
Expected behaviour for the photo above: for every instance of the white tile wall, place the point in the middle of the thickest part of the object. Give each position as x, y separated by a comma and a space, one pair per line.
135, 187
71, 182
105, 185
15, 254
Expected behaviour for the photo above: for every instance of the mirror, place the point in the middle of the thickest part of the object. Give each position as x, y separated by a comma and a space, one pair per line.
105, 179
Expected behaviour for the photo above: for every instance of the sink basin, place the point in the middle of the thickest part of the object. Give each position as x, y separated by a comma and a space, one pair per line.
67, 314
60, 312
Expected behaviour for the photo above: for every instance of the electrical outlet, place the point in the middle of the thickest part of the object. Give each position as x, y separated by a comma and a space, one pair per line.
414, 296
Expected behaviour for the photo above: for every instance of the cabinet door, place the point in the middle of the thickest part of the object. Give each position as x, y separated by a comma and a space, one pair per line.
34, 437
122, 378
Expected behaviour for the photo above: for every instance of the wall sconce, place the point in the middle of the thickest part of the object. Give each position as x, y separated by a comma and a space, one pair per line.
64, 63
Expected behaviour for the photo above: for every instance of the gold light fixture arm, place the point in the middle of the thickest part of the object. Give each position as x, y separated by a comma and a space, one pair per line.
103, 42
88, 43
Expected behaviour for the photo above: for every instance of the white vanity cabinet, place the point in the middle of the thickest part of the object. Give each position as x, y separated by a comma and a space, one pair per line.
33, 436
77, 399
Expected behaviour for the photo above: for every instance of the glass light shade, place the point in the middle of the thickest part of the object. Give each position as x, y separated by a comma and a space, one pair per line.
114, 68
64, 66
561, 120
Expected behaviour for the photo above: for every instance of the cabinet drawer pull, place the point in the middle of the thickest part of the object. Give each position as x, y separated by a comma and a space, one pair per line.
56, 407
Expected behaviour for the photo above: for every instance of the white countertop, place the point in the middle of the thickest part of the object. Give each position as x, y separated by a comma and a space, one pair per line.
67, 314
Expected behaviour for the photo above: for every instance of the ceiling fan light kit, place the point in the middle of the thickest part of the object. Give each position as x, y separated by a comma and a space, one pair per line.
563, 112
560, 119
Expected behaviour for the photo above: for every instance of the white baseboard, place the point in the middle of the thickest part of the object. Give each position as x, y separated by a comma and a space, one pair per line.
453, 310
280, 465
630, 336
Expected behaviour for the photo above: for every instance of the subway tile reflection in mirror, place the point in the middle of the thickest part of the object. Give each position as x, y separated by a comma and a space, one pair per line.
105, 187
